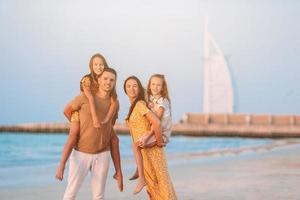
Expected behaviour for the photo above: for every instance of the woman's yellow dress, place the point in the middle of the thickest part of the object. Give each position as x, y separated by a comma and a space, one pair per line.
159, 185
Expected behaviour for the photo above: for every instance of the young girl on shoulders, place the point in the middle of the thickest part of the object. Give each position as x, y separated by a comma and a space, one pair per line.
89, 86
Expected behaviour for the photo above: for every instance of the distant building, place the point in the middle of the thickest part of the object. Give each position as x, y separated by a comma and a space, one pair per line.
217, 84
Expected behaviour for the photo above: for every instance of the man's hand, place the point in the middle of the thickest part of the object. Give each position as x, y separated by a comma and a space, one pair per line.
60, 173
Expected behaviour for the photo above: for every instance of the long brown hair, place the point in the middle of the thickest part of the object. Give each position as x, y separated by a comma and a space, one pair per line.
140, 96
164, 91
92, 75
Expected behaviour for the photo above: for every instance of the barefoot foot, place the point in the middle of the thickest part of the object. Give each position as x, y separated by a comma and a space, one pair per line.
119, 178
139, 187
134, 176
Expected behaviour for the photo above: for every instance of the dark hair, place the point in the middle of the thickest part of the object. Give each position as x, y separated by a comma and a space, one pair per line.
92, 75
111, 70
140, 96
113, 93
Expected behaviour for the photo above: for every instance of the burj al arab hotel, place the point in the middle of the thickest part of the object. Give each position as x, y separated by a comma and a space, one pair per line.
217, 83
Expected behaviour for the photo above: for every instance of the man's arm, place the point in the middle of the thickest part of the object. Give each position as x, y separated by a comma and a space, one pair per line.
69, 145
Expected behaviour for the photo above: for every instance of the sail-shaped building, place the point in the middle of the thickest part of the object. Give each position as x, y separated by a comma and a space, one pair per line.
217, 84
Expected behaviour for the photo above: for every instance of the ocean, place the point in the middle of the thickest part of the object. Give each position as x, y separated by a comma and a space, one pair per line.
32, 159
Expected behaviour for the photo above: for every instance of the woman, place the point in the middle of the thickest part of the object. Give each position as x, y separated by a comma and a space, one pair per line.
139, 118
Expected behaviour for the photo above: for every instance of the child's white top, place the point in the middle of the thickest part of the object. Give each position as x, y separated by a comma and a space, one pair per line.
166, 120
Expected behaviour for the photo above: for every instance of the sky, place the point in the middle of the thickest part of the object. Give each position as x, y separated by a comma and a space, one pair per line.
45, 47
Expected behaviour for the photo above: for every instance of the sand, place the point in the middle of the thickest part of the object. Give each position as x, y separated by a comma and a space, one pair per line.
262, 173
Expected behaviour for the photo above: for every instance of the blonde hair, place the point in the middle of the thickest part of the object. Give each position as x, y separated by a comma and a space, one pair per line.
164, 91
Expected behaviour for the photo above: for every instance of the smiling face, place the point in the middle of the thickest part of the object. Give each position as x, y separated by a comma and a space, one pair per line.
107, 81
131, 89
156, 85
98, 65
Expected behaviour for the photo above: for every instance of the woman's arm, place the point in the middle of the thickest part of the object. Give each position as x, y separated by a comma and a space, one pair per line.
155, 126
148, 135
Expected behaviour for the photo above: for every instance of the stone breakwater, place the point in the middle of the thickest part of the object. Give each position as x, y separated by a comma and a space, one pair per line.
51, 128
232, 125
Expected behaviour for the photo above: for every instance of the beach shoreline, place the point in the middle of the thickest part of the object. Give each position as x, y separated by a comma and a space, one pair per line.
270, 172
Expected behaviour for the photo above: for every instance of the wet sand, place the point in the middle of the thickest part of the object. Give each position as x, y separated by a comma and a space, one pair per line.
261, 173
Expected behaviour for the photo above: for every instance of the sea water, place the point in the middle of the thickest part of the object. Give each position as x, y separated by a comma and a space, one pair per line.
33, 158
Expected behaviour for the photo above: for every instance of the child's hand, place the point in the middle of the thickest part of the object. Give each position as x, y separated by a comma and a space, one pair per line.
96, 123
89, 95
151, 105
106, 120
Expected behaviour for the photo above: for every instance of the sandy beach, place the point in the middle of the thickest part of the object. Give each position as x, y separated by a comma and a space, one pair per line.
261, 173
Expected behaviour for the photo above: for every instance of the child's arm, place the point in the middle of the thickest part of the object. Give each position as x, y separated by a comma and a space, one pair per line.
151, 105
112, 110
90, 97
160, 112
68, 111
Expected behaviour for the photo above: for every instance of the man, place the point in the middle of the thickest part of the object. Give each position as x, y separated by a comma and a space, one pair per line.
91, 145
